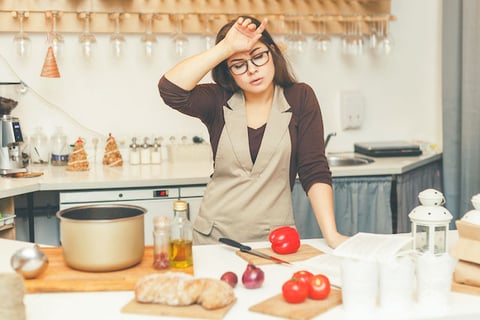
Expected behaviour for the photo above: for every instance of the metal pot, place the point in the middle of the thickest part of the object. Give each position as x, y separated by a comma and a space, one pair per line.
102, 237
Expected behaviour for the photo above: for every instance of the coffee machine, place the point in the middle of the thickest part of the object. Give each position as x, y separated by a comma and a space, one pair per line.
11, 138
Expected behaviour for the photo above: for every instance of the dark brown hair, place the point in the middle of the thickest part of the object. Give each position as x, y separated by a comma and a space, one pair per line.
283, 76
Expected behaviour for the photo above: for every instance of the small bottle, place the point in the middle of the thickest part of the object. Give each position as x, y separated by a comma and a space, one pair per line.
161, 242
156, 152
145, 153
181, 237
134, 153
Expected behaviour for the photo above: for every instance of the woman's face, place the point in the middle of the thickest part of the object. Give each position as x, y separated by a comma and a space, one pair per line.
253, 71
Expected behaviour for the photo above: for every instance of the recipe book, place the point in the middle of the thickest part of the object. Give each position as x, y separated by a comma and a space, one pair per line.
374, 247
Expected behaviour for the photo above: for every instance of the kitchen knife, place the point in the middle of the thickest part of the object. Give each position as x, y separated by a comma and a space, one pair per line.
249, 250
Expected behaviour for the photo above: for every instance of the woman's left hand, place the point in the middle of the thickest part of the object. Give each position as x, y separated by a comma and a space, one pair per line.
244, 34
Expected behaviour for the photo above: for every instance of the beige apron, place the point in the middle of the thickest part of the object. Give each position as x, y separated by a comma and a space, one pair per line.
245, 201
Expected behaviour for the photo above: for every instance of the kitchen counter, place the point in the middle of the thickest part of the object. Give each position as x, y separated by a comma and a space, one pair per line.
107, 305
172, 174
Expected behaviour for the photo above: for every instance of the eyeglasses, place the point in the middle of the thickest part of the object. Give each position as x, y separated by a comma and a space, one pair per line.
257, 60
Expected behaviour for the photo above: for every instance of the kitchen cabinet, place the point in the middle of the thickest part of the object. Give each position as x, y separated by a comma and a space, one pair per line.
377, 204
45, 225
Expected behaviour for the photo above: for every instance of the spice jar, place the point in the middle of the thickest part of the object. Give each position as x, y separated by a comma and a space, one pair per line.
181, 255
161, 242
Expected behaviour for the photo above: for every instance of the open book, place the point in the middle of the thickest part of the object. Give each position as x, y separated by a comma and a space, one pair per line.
375, 247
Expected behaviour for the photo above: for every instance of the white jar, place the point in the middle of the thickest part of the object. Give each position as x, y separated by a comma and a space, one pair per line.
40, 150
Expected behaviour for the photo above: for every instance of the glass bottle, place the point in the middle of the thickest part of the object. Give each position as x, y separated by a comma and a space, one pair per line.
181, 237
60, 150
161, 242
156, 151
134, 152
145, 153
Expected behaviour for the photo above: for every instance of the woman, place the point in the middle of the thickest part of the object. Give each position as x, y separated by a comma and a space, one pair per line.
264, 128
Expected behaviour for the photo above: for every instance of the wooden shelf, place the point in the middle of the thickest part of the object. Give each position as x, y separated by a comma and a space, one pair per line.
7, 207
196, 14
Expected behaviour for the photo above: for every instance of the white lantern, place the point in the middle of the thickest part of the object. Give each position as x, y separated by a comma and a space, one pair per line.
430, 223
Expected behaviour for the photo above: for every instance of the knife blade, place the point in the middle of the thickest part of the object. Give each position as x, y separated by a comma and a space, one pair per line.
247, 249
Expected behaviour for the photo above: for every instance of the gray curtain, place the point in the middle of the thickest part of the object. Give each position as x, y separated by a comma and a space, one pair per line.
461, 103
408, 186
362, 204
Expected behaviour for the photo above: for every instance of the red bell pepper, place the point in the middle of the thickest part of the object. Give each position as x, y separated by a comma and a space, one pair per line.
284, 240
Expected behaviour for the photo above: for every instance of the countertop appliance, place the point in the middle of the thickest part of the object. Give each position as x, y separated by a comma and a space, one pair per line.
11, 160
157, 201
388, 149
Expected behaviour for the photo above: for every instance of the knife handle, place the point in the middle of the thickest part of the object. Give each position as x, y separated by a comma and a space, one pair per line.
235, 244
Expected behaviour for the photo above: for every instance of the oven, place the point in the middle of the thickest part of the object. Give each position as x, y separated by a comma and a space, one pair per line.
157, 201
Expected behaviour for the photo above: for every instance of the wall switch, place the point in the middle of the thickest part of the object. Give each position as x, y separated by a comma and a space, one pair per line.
352, 109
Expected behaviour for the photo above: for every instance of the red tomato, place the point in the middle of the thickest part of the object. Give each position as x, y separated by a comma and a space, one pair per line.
318, 287
294, 291
302, 276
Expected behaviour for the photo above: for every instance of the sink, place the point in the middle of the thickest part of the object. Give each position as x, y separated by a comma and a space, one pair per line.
341, 161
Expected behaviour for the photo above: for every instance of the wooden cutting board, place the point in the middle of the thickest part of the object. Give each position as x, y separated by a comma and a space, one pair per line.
24, 174
305, 252
277, 306
193, 311
61, 278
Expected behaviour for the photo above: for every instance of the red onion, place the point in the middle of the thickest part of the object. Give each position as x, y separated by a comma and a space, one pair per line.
252, 277
230, 278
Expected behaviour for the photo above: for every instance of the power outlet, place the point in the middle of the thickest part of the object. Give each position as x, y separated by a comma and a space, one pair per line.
352, 110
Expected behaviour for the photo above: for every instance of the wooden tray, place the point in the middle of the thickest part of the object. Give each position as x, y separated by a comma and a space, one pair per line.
193, 311
60, 278
305, 252
277, 306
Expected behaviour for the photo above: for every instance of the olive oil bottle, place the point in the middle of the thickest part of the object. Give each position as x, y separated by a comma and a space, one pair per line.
181, 255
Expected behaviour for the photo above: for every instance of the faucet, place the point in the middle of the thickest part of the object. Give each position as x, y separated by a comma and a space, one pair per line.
329, 136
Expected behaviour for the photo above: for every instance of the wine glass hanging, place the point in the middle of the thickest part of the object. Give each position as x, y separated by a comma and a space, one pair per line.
21, 40
148, 39
180, 39
55, 39
87, 39
117, 39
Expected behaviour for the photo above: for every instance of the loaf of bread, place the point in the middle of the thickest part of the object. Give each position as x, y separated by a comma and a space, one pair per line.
12, 291
180, 289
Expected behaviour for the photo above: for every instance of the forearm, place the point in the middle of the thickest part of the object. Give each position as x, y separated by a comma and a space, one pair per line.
188, 73
321, 199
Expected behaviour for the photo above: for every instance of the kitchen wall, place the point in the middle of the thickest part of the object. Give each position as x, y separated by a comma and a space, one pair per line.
402, 91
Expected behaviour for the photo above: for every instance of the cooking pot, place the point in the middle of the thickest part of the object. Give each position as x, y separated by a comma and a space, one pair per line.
105, 237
